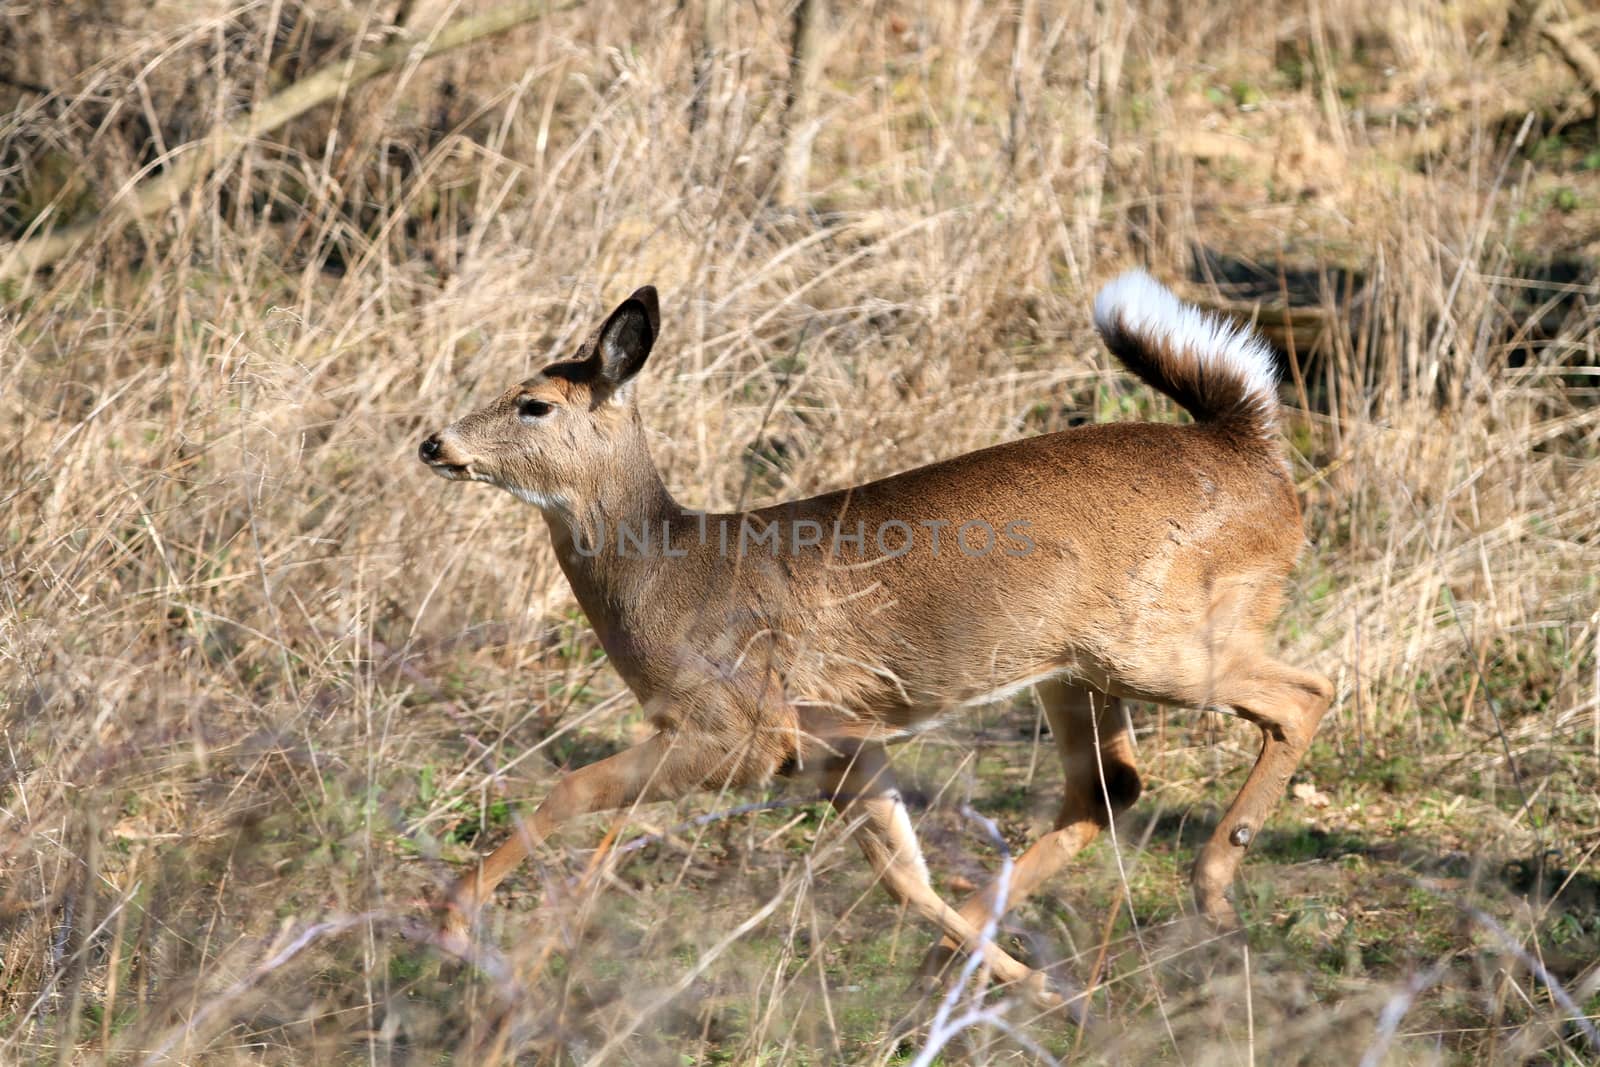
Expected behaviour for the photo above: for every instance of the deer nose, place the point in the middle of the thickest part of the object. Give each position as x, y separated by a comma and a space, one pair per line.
428, 451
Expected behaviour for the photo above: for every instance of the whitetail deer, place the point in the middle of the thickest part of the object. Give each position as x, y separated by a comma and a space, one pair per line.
1103, 563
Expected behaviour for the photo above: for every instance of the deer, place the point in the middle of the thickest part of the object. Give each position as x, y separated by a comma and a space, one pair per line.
1101, 564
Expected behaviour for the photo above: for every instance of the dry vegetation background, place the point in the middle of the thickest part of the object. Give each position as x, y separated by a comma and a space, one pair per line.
267, 685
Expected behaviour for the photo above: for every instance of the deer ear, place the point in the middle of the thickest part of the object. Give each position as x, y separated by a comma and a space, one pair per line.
627, 336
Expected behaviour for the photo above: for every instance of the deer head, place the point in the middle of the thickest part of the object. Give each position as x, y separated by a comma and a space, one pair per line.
568, 437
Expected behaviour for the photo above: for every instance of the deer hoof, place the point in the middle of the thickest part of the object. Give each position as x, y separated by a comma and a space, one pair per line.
1047, 996
936, 968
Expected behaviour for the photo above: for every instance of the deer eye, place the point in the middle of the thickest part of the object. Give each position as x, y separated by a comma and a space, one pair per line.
530, 408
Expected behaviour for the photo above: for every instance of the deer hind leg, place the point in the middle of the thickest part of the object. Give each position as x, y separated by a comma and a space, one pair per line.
1286, 704
1099, 785
663, 767
861, 784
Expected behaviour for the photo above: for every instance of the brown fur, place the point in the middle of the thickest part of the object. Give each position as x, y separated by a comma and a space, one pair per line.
1158, 554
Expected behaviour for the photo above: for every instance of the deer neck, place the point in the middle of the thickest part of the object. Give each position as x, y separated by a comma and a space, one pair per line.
610, 545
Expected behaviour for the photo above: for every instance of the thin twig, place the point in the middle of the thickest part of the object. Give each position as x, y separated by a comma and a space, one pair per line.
1558, 992
1394, 1012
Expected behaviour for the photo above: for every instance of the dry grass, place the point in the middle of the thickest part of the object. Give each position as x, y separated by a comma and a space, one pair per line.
266, 683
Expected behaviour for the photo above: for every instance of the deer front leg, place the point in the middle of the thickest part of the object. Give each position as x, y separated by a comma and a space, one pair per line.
659, 768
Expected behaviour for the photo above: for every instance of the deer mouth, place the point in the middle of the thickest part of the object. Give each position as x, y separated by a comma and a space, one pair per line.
436, 451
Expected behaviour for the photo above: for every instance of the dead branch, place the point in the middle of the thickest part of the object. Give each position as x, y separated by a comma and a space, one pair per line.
709, 54
1579, 56
198, 158
799, 112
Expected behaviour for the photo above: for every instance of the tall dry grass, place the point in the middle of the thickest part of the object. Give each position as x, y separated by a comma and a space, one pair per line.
266, 683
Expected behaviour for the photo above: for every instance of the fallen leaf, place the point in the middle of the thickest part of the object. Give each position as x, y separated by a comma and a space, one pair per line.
1308, 793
